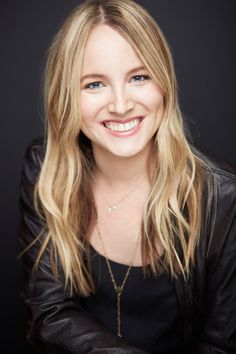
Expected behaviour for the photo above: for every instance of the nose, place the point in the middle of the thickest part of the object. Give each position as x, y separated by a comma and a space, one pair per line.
120, 103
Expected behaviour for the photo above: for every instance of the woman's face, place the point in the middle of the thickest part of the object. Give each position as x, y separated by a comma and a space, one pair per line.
121, 106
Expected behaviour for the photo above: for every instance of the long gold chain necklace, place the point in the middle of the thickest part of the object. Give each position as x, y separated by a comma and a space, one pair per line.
118, 288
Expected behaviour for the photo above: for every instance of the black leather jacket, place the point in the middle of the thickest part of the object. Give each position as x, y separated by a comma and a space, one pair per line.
207, 302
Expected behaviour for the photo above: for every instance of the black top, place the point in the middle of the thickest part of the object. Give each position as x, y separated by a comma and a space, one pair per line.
149, 314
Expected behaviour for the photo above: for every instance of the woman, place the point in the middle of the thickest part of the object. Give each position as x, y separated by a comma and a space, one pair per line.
128, 232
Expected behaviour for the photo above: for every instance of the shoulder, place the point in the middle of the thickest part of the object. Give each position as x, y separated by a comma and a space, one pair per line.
215, 164
35, 151
34, 155
32, 161
220, 178
220, 196
219, 172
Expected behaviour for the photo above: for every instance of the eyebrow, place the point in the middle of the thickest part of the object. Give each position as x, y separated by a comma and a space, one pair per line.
104, 76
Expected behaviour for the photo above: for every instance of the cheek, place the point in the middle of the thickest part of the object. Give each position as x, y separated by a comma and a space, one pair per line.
89, 106
156, 110
159, 105
156, 107
154, 100
156, 96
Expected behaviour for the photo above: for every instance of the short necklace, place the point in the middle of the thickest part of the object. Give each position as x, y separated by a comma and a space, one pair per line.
112, 207
118, 288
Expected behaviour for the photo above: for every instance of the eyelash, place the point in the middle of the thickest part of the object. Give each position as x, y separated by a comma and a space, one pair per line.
95, 82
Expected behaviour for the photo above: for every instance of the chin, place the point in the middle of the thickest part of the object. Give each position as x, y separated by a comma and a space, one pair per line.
126, 153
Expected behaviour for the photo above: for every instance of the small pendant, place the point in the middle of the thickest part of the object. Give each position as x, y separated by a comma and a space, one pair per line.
111, 209
118, 290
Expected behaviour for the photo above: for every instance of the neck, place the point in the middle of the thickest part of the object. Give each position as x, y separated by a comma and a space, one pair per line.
114, 170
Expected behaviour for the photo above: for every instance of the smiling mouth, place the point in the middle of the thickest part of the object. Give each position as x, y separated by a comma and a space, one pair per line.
122, 127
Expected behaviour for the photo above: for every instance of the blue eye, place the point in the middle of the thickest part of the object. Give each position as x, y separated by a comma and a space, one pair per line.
145, 77
98, 84
90, 86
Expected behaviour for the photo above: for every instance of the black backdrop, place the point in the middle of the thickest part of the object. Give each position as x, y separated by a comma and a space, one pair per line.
201, 35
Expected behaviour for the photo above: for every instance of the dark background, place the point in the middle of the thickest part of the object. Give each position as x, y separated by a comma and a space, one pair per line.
201, 35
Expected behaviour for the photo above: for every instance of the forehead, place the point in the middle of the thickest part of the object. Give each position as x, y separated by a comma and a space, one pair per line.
106, 49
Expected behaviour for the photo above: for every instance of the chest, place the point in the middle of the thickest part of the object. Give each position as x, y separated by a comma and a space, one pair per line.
148, 305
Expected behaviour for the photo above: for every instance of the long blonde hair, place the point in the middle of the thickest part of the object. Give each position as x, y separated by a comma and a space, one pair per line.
173, 209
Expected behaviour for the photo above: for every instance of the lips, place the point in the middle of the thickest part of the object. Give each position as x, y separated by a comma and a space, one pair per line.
125, 125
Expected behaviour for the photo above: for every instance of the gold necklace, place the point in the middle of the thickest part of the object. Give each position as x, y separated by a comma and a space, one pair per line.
112, 207
118, 288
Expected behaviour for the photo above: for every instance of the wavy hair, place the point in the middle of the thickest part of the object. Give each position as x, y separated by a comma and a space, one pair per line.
63, 192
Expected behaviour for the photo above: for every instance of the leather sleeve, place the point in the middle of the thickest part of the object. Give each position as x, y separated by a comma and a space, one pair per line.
218, 326
221, 300
56, 322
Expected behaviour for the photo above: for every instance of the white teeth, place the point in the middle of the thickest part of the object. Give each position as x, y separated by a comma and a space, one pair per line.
122, 127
